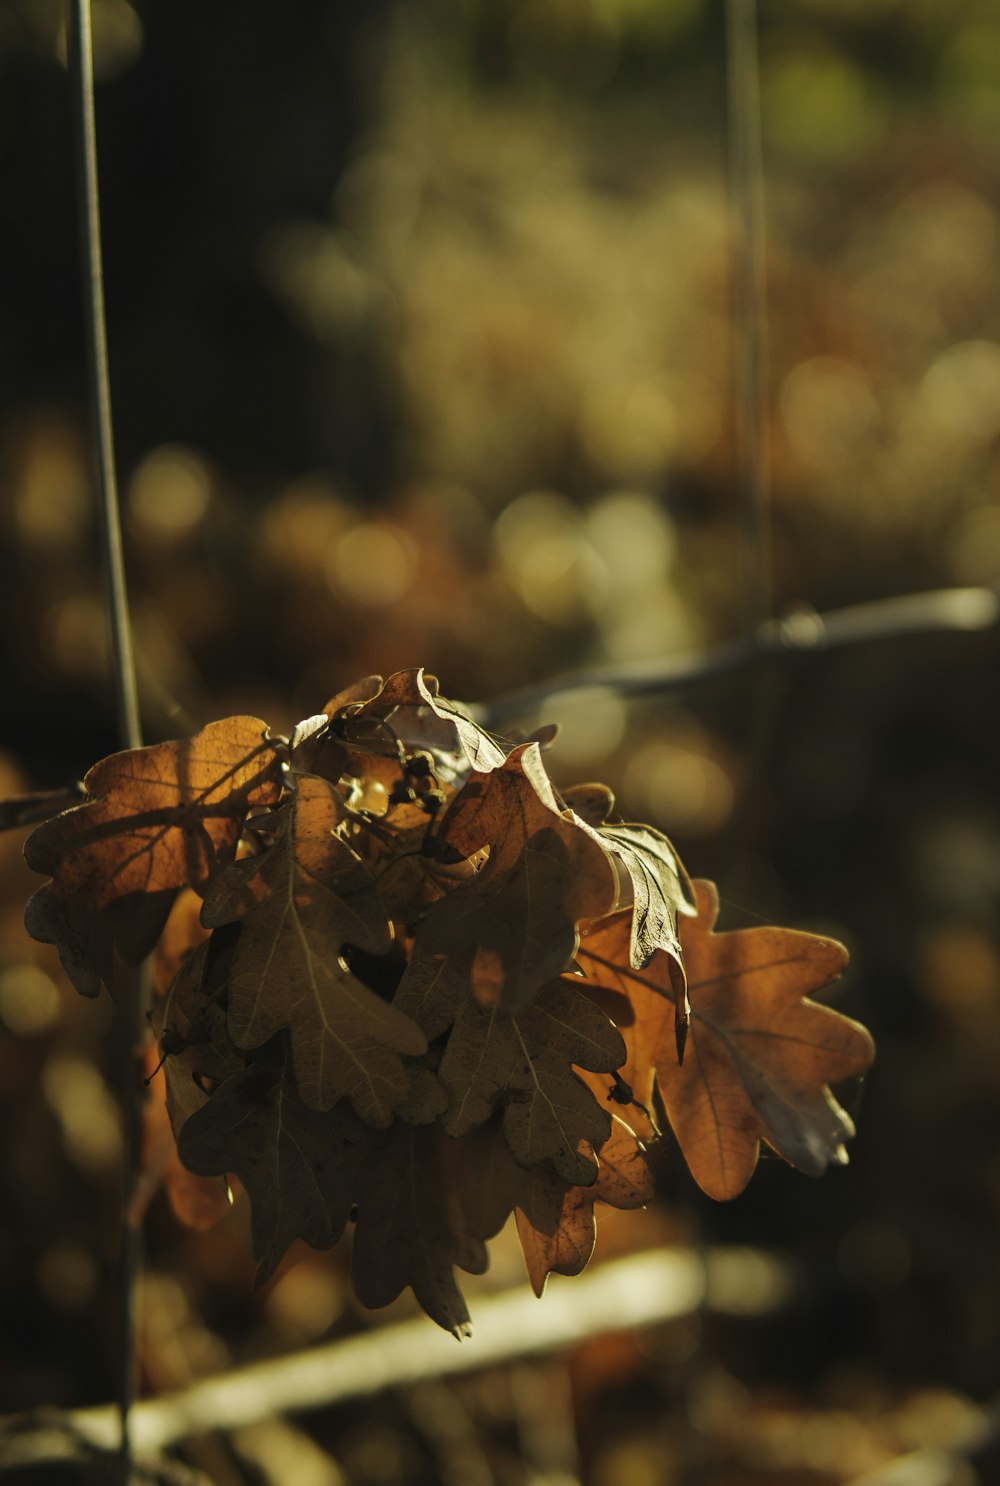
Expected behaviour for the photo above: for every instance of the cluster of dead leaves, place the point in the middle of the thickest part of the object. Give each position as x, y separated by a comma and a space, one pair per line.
423, 990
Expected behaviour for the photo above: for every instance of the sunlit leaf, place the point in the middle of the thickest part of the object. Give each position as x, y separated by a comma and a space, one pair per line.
155, 819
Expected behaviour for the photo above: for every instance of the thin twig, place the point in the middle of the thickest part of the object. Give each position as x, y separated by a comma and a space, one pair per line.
746, 198
27, 810
642, 1290
82, 69
82, 75
802, 633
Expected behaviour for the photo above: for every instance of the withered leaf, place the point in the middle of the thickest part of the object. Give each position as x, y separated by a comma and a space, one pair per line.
661, 889
182, 934
297, 1165
189, 1022
525, 1066
156, 819
506, 931
519, 914
412, 1229
760, 1057
593, 802
556, 1222
419, 718
198, 1202
194, 1053
298, 904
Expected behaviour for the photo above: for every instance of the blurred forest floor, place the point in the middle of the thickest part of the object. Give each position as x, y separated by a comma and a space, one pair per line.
422, 346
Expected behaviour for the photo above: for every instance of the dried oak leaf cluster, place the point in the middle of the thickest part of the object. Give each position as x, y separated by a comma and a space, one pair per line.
427, 990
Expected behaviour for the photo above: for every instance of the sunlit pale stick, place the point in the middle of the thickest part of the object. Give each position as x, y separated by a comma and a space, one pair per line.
643, 1290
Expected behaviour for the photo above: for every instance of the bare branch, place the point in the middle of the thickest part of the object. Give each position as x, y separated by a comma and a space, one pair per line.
803, 632
29, 809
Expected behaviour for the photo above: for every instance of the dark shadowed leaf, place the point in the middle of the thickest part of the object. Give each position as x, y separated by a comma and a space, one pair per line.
518, 916
412, 1229
296, 1164
299, 903
524, 1065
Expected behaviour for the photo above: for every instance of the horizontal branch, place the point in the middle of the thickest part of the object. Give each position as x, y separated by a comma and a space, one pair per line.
642, 1290
803, 632
26, 810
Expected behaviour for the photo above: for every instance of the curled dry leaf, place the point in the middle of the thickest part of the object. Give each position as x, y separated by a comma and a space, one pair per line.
760, 1056
155, 819
556, 1222
424, 981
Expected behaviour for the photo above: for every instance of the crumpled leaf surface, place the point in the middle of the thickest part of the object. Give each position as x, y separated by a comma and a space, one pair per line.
298, 904
760, 1057
660, 889
155, 819
410, 703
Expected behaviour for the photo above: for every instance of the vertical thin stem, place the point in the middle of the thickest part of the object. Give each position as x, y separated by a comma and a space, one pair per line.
130, 1257
82, 70
746, 194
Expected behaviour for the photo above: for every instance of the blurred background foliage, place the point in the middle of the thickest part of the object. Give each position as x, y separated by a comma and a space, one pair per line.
422, 344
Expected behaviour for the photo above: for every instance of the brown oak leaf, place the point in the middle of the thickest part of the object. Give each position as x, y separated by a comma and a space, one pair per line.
297, 1165
194, 1054
760, 1056
510, 929
299, 903
412, 1229
556, 1220
420, 718
155, 819
661, 889
189, 1023
524, 1065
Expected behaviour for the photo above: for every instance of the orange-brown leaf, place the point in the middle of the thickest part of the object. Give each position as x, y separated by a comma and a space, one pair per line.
556, 1221
760, 1056
156, 819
